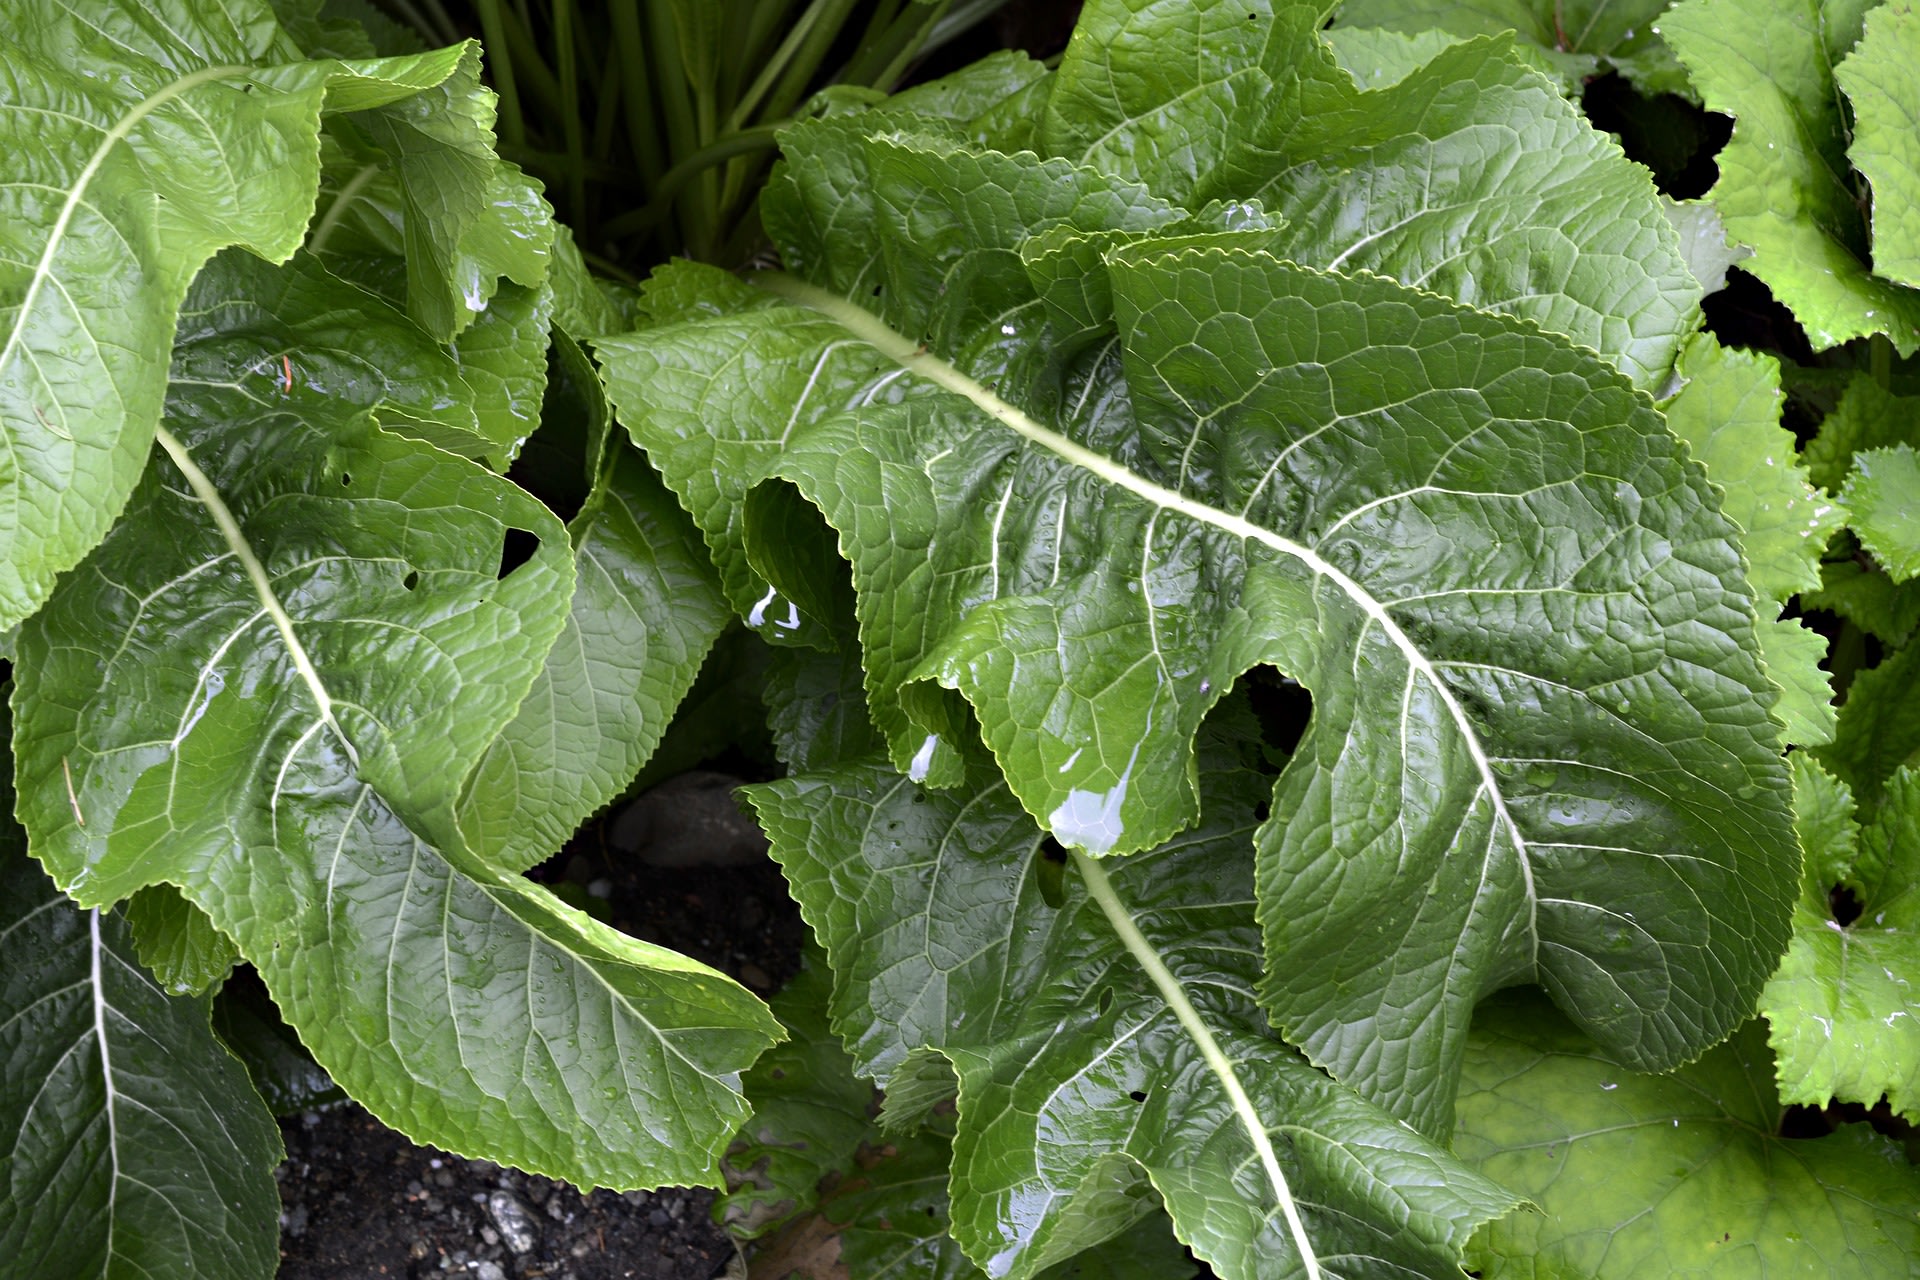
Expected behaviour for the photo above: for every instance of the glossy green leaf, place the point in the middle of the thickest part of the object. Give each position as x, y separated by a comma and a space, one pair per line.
1883, 500
1884, 93
267, 686
1842, 1009
1082, 1081
183, 949
130, 1139
1784, 186
645, 611
1525, 625
138, 142
1576, 41
1679, 1175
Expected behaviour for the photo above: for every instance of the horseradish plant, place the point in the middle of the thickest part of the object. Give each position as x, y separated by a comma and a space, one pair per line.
1088, 407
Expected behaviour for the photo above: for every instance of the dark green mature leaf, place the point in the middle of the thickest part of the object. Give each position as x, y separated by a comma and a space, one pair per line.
810, 1115
645, 611
1843, 1012
1081, 1088
267, 687
1879, 82
1120, 474
139, 141
1680, 1175
130, 1139
1784, 185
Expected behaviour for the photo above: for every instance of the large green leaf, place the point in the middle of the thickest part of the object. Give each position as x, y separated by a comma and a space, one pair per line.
138, 141
1087, 484
1785, 188
1501, 196
1879, 726
1088, 1083
130, 1139
1578, 40
267, 686
1843, 1012
645, 611
1680, 1175
1885, 94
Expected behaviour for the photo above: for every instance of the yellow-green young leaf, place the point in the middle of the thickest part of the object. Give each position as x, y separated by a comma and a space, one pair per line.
131, 1140
138, 140
1867, 416
1785, 188
267, 686
1677, 1175
1843, 1009
1880, 84
1883, 499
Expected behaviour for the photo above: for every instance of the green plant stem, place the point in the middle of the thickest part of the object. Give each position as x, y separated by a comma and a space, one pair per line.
1100, 889
570, 122
806, 60
746, 142
323, 228
743, 109
500, 57
1880, 360
643, 132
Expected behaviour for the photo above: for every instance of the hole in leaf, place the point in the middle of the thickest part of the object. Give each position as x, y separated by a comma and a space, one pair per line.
1283, 706
1050, 873
1105, 1002
412, 579
1845, 907
1262, 811
515, 550
1138, 1096
346, 479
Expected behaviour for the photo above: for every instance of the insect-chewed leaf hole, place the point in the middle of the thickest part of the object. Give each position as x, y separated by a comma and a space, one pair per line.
412, 579
516, 549
1050, 872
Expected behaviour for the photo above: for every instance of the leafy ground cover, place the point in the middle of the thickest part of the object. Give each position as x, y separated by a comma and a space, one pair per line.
1333, 665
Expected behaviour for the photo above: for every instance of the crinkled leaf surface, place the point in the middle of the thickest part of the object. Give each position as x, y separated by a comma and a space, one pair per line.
1101, 493
139, 141
1080, 1091
1577, 41
1680, 1175
1785, 188
1843, 1009
1500, 195
130, 1139
267, 686
645, 611
1883, 500
1880, 84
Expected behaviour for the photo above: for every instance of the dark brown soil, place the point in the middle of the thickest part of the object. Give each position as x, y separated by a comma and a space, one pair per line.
362, 1201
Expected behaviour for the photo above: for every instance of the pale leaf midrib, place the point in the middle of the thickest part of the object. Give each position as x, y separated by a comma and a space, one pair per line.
917, 359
